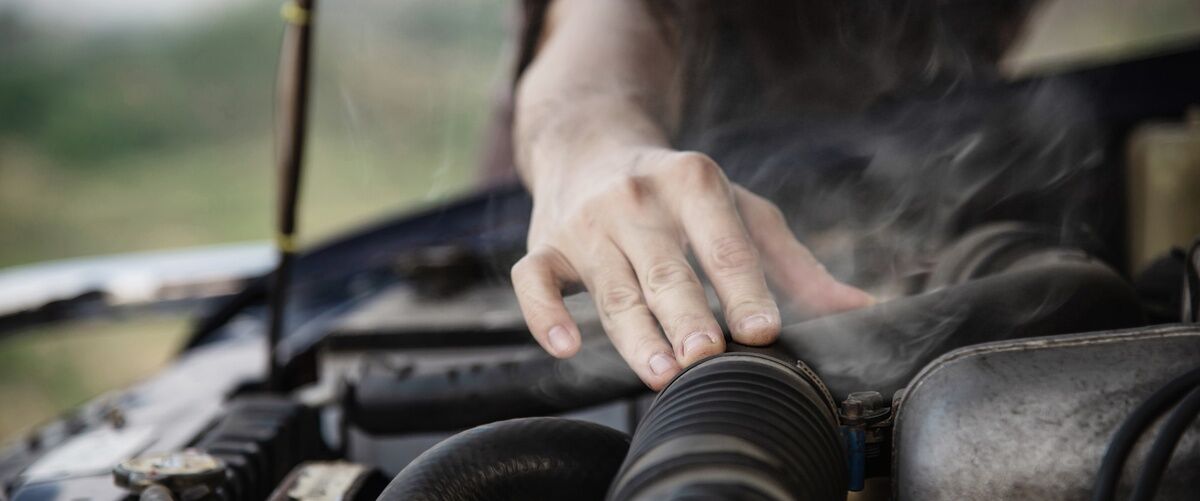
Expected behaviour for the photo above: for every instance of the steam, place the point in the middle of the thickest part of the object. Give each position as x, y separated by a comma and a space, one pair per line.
883, 130
884, 133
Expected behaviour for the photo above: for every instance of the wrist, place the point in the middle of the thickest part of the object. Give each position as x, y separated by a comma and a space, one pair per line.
553, 143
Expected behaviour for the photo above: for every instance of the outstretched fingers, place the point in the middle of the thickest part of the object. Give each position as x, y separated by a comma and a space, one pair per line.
627, 318
724, 249
672, 290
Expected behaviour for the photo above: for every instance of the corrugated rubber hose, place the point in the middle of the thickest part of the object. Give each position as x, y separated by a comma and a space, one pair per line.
737, 426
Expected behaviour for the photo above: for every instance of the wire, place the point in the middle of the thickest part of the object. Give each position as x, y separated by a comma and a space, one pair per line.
1133, 428
1168, 438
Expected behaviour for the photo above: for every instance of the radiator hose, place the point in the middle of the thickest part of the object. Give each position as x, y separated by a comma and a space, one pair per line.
528, 458
737, 426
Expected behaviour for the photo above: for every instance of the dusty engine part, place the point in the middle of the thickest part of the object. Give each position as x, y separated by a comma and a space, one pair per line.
329, 481
260, 438
187, 474
469, 396
1030, 419
532, 458
882, 348
879, 348
867, 433
736, 426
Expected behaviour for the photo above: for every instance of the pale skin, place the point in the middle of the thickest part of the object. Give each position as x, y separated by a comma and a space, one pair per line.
618, 211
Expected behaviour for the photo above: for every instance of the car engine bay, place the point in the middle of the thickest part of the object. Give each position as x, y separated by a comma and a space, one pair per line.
1012, 363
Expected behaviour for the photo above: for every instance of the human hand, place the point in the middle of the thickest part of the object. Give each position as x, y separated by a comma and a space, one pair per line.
623, 226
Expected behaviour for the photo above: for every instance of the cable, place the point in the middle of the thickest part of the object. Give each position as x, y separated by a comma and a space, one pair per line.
1133, 427
1168, 438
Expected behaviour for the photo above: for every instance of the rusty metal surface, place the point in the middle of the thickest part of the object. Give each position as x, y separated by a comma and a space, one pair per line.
1030, 419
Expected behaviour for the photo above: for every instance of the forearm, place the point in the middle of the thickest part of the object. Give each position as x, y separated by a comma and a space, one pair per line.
601, 80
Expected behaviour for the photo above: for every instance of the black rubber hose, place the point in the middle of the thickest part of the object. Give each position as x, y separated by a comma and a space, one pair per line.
883, 347
1160, 453
1132, 429
469, 396
736, 426
532, 458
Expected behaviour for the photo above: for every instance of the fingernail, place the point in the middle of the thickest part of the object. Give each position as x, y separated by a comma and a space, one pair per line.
560, 339
755, 323
660, 364
697, 341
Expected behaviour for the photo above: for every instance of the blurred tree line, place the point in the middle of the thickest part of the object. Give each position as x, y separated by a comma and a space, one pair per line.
77, 97
116, 139
127, 138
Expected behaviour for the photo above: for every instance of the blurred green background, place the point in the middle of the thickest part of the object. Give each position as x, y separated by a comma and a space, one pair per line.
145, 124
149, 125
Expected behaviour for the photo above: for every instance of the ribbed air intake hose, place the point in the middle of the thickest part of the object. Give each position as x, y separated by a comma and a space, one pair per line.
737, 426
530, 458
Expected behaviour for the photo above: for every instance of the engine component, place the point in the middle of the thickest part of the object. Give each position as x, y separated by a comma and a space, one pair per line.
178, 472
330, 480
1054, 291
1168, 438
988, 250
1163, 187
1030, 419
1132, 429
737, 426
866, 430
1051, 291
260, 438
533, 458
469, 396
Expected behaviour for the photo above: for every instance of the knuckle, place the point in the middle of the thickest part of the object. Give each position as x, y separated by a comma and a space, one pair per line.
522, 268
772, 215
646, 344
733, 254
584, 220
696, 171
669, 274
534, 299
748, 306
633, 190
524, 276
684, 323
618, 299
529, 291
761, 210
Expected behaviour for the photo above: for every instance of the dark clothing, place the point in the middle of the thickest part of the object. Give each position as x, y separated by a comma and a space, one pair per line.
882, 129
